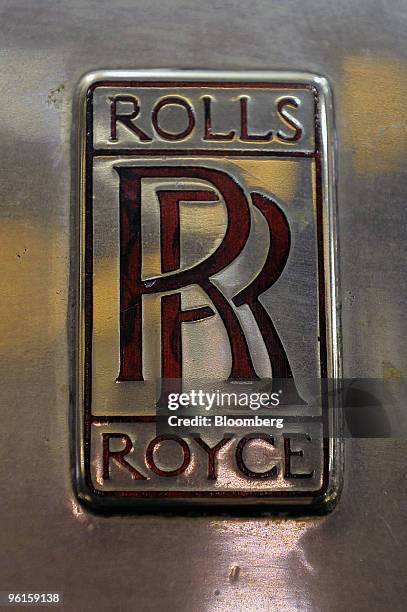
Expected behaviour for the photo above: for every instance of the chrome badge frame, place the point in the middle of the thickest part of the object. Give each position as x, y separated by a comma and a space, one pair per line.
112, 405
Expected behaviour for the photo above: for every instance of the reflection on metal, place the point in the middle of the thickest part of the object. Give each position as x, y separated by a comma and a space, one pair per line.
374, 98
207, 251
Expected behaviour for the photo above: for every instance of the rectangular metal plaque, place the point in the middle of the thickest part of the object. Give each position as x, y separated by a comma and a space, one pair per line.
207, 271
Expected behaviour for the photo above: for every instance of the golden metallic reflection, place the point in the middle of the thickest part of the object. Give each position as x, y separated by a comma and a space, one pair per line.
278, 177
373, 98
32, 302
105, 292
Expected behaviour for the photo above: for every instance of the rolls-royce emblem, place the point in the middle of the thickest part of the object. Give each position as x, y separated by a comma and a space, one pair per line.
208, 283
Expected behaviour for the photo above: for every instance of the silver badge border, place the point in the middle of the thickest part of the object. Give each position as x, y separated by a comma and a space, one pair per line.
307, 503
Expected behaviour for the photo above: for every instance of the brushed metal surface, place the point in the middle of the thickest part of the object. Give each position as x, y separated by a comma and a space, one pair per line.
352, 559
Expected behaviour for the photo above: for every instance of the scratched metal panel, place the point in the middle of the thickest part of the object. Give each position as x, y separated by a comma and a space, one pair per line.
353, 558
